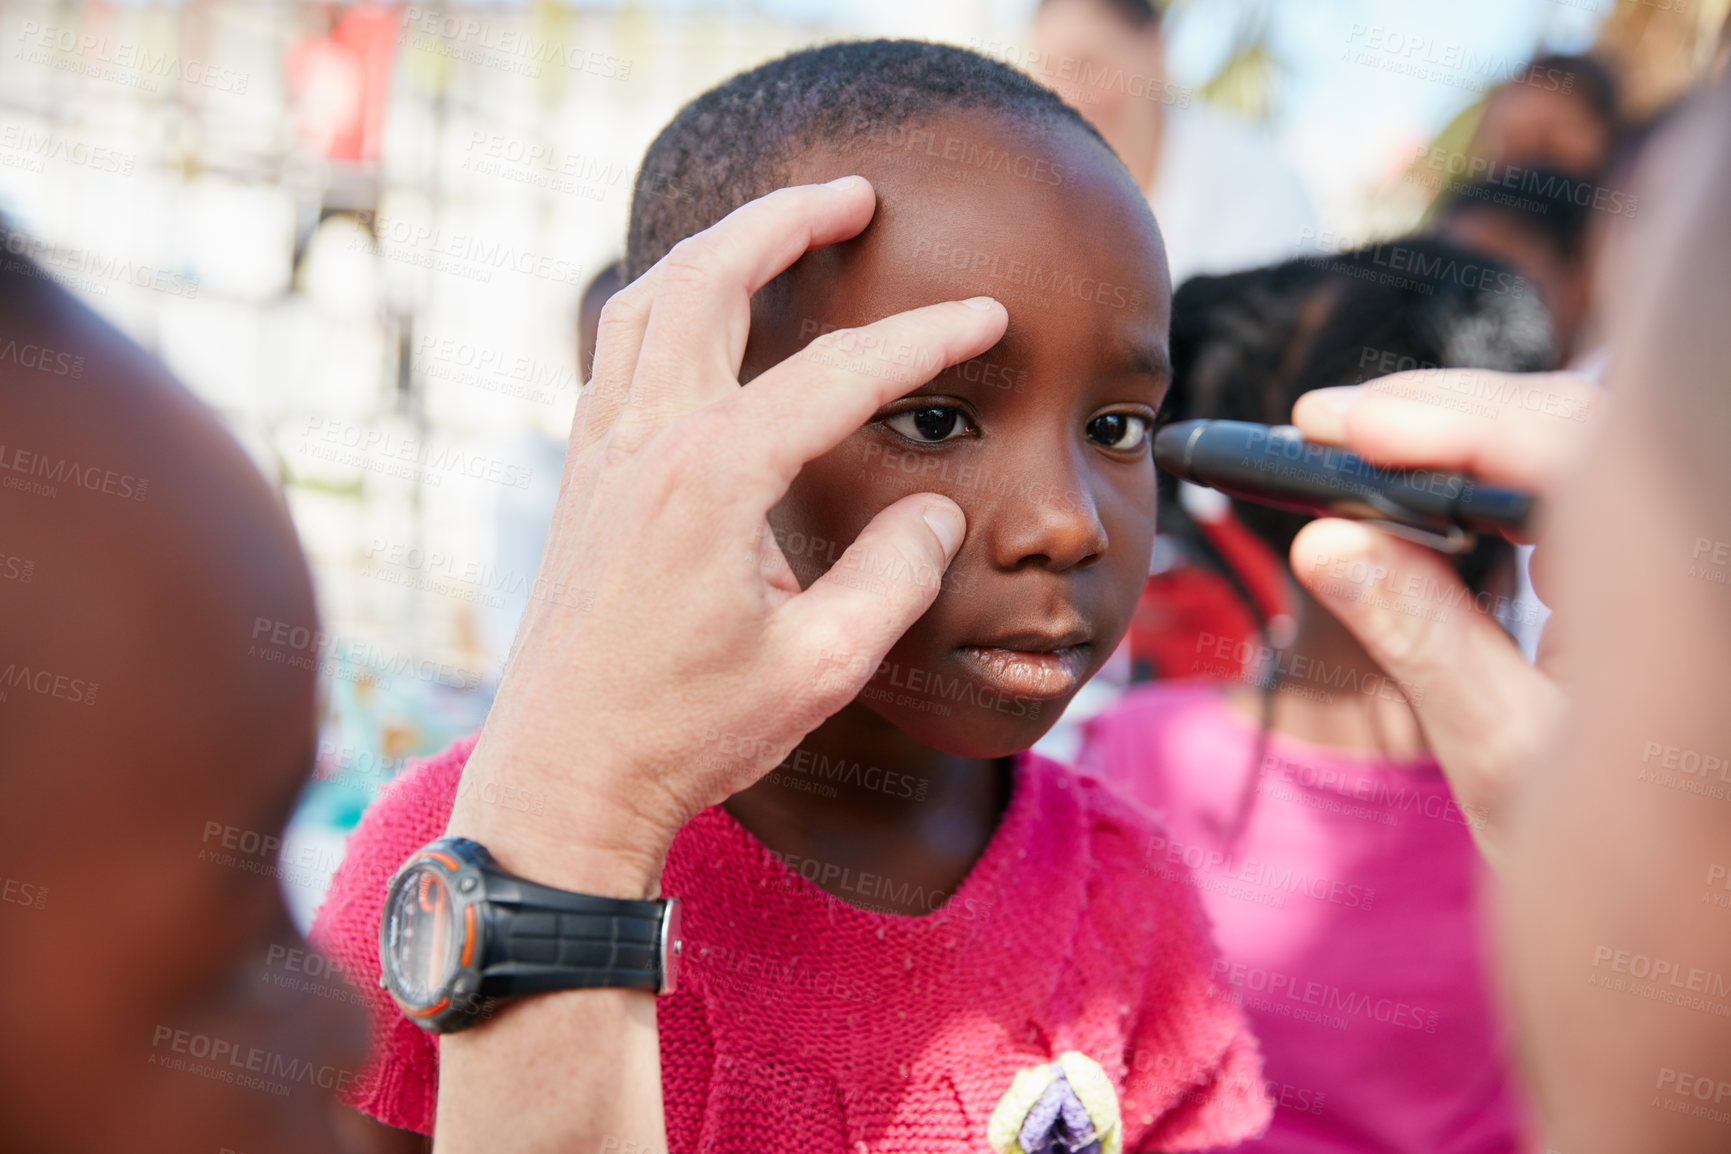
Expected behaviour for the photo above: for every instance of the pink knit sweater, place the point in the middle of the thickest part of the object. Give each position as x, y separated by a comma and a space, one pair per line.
802, 1020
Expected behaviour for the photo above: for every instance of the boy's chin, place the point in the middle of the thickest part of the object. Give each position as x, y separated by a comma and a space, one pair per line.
972, 731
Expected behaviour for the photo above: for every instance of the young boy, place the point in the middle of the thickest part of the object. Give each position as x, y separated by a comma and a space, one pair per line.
914, 935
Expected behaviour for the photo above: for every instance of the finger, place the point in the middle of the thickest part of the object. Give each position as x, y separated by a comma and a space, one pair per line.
1540, 575
697, 328
811, 402
1508, 428
618, 341
1483, 709
847, 619
772, 563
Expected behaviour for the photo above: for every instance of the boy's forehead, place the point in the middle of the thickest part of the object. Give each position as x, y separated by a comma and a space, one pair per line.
1046, 219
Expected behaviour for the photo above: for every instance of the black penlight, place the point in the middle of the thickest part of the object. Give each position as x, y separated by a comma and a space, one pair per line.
1274, 465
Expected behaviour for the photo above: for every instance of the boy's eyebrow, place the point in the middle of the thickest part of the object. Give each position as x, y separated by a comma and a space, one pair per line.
1153, 360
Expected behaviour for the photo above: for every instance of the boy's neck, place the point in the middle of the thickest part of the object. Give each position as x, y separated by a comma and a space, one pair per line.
1332, 693
859, 796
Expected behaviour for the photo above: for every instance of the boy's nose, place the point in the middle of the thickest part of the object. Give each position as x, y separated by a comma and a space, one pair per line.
1047, 518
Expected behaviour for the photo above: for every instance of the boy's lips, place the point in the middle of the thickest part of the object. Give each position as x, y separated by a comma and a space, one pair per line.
1040, 667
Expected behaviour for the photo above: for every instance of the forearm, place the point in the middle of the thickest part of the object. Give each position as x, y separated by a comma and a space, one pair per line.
579, 1071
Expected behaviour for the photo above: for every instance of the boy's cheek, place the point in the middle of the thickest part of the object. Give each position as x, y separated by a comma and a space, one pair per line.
1132, 553
836, 496
826, 507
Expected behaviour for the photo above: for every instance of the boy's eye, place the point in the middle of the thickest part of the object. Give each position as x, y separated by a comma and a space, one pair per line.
929, 425
1119, 431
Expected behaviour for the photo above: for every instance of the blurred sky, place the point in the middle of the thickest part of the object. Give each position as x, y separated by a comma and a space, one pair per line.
1309, 35
1341, 120
1342, 123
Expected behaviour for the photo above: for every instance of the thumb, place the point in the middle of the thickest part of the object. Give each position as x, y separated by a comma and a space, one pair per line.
1484, 710
848, 618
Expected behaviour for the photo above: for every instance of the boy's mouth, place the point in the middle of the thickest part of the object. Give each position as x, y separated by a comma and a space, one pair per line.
1031, 665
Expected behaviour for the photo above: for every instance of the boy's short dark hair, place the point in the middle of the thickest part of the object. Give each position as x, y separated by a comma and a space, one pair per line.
737, 141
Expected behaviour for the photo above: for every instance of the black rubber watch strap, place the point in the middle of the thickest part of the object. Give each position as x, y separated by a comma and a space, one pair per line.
542, 939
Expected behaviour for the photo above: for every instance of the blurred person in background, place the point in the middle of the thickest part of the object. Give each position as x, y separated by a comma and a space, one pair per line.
1224, 197
1327, 849
1540, 231
159, 650
1561, 113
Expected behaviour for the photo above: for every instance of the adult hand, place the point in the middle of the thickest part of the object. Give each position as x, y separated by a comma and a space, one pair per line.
1486, 713
668, 658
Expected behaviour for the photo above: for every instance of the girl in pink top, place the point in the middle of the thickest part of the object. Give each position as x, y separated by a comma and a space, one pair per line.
913, 935
1340, 875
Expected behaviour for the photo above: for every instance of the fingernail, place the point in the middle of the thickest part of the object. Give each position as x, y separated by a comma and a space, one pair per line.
1329, 551
981, 303
949, 525
1325, 411
1342, 401
843, 181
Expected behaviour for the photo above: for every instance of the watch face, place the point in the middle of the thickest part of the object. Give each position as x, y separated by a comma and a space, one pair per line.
424, 938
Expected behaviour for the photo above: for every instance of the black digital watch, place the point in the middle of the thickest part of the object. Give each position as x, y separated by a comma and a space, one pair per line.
458, 932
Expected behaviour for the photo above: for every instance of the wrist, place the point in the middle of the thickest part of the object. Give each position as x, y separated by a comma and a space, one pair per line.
571, 865
541, 825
